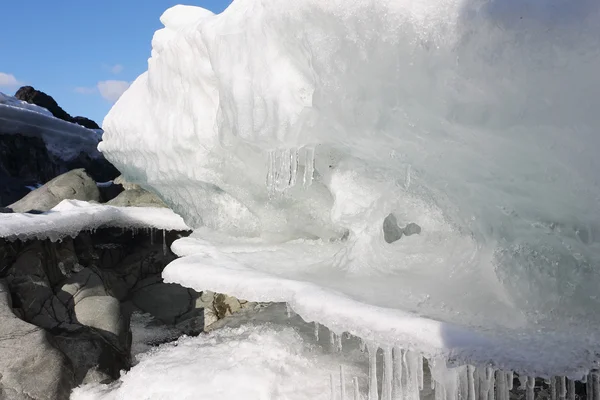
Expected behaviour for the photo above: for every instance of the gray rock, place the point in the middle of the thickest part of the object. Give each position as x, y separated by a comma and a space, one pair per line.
165, 301
412, 229
76, 185
391, 231
30, 367
136, 198
120, 180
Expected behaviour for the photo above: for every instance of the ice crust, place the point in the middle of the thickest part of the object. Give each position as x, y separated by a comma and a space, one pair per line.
297, 127
70, 217
63, 139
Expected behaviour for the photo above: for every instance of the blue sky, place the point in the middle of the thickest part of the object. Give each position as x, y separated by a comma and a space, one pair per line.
71, 48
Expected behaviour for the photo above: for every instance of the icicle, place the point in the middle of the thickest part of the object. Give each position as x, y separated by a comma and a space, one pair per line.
309, 166
332, 341
356, 388
288, 310
398, 389
500, 385
388, 374
332, 384
151, 236
411, 389
589, 388
509, 380
164, 242
407, 177
342, 383
553, 389
293, 167
529, 387
562, 387
373, 395
596, 385
471, 382
491, 379
420, 371
270, 172
338, 343
316, 331
571, 391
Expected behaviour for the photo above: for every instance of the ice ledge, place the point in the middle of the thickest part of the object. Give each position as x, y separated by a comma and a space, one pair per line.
207, 267
70, 217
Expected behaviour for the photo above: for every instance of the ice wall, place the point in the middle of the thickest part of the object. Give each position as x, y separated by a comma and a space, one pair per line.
476, 120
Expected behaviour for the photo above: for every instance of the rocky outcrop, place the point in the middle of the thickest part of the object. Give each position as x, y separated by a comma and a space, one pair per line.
74, 185
31, 367
39, 98
137, 198
88, 123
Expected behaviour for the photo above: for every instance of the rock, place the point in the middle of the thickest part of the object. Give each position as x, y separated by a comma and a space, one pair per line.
120, 180
109, 191
165, 301
31, 368
39, 98
412, 229
32, 96
226, 305
137, 198
6, 210
88, 123
391, 231
75, 185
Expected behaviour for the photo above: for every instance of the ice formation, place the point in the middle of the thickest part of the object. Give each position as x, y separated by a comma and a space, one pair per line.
288, 131
63, 139
70, 217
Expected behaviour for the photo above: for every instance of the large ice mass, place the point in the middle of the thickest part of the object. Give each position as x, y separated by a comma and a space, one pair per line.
288, 132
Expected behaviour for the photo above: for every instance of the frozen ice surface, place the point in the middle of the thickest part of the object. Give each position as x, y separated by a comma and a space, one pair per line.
251, 362
292, 129
63, 139
70, 217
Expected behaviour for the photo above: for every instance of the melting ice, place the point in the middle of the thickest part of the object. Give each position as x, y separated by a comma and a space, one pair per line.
287, 133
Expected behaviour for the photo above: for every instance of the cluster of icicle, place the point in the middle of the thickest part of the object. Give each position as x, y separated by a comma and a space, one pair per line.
283, 167
406, 375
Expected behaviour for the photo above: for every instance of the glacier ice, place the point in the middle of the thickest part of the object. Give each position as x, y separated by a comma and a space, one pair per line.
286, 132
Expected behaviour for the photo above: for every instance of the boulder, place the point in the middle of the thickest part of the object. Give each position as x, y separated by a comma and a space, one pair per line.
120, 180
31, 368
137, 198
76, 185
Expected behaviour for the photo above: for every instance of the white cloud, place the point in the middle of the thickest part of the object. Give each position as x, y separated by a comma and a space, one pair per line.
84, 90
116, 69
8, 80
112, 90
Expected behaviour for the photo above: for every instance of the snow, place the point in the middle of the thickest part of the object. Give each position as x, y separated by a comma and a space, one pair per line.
251, 361
70, 217
63, 139
289, 132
